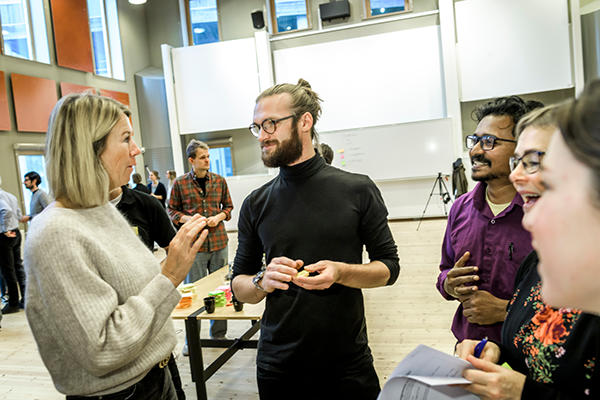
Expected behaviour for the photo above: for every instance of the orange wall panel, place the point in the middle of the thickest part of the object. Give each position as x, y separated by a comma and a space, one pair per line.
34, 100
4, 114
72, 34
121, 97
66, 88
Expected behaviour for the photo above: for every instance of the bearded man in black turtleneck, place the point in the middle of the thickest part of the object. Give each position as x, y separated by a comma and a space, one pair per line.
312, 216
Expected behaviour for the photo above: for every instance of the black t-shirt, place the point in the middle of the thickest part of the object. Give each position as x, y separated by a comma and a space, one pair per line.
147, 217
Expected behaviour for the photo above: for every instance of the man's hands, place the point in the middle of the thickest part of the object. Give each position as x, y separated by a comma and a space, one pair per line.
458, 277
479, 306
24, 219
215, 219
183, 249
483, 308
329, 273
211, 222
10, 234
282, 270
491, 381
279, 273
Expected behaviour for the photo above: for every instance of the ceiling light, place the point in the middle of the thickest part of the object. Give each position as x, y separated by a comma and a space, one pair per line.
137, 1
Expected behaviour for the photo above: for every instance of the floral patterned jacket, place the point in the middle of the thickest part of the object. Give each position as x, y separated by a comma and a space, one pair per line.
557, 349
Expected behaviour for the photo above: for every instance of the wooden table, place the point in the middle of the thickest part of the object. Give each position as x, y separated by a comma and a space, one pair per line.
191, 315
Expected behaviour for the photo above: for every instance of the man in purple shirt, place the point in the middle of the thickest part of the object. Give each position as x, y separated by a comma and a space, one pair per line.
485, 242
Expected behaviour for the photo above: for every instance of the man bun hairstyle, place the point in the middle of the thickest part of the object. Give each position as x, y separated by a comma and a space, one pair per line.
579, 124
304, 100
511, 106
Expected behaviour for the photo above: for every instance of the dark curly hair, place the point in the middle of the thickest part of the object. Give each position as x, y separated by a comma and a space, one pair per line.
511, 106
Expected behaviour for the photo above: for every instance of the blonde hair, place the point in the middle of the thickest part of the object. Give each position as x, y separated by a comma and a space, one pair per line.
77, 131
540, 118
304, 100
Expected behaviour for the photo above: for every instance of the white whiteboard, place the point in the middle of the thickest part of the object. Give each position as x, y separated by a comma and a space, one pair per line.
391, 152
215, 85
373, 80
508, 47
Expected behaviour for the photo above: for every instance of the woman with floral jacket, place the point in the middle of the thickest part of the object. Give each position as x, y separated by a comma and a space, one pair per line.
552, 352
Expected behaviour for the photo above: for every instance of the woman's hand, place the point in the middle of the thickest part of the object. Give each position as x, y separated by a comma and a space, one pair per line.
183, 249
491, 351
491, 381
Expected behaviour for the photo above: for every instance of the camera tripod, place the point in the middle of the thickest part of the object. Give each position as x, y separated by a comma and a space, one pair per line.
444, 196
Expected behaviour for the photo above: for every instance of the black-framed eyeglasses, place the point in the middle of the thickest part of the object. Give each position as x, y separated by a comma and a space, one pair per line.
268, 125
487, 141
531, 161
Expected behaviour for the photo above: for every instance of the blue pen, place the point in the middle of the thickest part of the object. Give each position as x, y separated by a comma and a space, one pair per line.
479, 347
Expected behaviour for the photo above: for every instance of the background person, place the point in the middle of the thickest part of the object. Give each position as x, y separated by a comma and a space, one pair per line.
99, 309
313, 341
206, 193
139, 186
39, 198
10, 251
326, 153
548, 349
485, 242
171, 176
157, 189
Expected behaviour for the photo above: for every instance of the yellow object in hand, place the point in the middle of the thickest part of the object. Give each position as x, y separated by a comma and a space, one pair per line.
505, 365
302, 273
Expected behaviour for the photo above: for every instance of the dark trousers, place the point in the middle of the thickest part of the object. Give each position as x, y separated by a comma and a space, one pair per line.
11, 266
358, 385
156, 385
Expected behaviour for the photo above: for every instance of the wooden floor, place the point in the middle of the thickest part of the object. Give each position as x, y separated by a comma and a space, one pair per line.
399, 317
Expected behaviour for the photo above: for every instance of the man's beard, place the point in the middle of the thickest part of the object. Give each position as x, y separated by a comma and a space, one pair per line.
486, 178
285, 153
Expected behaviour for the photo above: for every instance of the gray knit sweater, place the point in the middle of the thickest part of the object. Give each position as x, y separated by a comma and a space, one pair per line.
97, 304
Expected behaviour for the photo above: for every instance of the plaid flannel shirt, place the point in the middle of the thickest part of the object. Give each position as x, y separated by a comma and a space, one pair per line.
187, 198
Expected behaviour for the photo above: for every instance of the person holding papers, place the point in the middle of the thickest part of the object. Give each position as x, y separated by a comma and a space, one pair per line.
551, 351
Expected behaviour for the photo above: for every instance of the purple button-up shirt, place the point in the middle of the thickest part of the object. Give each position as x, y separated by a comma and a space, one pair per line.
498, 245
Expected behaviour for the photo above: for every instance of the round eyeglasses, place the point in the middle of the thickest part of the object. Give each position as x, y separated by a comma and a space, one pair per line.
268, 125
531, 161
487, 141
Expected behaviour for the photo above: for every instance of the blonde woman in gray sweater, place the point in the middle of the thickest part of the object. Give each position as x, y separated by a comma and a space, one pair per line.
98, 302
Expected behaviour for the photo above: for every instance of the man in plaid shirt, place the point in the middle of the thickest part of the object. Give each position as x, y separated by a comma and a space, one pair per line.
205, 193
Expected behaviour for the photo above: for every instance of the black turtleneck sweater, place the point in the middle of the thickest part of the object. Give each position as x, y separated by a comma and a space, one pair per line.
313, 212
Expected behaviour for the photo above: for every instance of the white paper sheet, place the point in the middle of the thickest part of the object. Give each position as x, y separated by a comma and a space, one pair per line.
425, 374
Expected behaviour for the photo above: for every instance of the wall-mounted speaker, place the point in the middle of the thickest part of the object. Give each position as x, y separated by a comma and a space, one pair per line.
335, 9
257, 20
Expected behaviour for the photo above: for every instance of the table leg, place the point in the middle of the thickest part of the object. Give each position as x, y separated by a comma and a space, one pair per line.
192, 329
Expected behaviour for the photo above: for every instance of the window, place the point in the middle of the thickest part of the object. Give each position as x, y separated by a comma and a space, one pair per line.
30, 157
24, 29
289, 15
221, 157
375, 8
106, 38
202, 21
